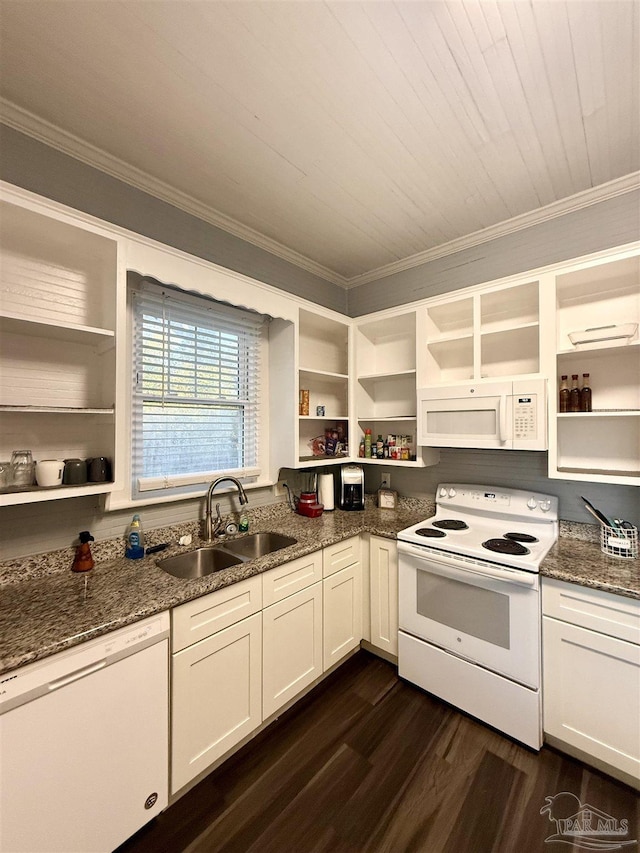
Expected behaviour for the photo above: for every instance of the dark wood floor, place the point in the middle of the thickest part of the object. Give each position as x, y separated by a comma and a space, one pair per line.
369, 764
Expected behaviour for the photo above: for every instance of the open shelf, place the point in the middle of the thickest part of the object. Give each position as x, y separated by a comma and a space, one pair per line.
70, 333
450, 319
58, 410
37, 494
386, 347
603, 294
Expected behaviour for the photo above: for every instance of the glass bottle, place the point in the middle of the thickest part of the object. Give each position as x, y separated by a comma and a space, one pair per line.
585, 394
367, 444
574, 394
563, 402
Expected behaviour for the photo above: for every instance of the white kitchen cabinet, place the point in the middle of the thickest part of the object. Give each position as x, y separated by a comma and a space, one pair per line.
58, 295
489, 333
597, 321
216, 696
383, 569
292, 647
385, 388
323, 372
342, 605
591, 676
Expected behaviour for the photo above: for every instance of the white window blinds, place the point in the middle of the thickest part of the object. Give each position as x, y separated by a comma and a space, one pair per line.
195, 412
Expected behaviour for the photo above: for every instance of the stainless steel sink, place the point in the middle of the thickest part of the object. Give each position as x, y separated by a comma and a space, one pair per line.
199, 563
256, 545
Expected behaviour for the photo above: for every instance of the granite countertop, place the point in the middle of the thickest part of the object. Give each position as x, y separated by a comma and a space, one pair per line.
582, 562
45, 608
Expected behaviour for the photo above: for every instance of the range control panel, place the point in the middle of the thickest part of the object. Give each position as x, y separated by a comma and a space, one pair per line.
500, 501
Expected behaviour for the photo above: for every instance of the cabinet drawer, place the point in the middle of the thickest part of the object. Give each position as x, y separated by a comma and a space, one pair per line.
605, 612
340, 555
203, 616
291, 577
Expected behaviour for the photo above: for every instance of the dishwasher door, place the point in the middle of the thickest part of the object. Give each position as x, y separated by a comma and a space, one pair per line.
84, 743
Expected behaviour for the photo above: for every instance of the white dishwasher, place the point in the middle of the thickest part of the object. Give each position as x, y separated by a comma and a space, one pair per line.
84, 743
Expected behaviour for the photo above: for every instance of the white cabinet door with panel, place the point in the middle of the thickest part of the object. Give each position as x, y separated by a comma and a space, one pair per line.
591, 683
383, 568
342, 613
292, 646
216, 694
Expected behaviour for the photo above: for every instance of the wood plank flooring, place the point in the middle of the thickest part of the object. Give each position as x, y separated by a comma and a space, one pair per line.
370, 764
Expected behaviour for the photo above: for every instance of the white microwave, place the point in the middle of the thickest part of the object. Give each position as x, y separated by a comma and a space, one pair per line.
508, 415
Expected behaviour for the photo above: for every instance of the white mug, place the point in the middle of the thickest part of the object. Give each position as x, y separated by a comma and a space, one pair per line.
49, 472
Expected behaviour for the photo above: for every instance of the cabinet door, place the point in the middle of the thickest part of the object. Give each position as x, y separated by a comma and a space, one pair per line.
292, 647
591, 691
216, 697
384, 593
342, 613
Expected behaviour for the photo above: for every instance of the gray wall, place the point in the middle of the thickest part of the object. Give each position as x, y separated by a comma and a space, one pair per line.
517, 469
601, 226
34, 166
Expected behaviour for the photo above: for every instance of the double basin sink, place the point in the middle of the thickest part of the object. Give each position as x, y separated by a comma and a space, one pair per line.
205, 561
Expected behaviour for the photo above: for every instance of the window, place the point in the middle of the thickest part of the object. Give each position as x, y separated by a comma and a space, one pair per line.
195, 408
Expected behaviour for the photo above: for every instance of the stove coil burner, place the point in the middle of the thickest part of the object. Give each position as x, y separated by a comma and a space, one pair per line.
429, 531
451, 524
520, 537
505, 546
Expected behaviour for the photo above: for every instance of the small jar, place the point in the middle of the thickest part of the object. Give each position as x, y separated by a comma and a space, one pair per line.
22, 469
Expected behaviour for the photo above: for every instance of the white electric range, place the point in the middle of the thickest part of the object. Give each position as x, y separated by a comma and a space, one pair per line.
469, 603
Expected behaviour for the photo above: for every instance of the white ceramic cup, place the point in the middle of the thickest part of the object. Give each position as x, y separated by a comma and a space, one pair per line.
49, 472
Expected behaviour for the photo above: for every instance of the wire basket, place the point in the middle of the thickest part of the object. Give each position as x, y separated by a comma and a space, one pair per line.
619, 543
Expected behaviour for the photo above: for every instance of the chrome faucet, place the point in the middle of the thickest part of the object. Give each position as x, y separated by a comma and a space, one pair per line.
209, 529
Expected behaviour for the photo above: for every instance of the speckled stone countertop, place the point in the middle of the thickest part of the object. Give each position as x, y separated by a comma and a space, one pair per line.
582, 562
45, 608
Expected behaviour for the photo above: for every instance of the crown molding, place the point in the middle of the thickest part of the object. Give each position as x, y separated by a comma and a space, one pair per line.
570, 204
31, 125
26, 122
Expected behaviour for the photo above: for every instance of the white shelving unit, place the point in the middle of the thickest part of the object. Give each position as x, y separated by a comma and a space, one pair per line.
57, 341
385, 388
599, 300
484, 335
323, 371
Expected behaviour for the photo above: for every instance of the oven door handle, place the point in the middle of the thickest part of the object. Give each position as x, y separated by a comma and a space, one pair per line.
441, 566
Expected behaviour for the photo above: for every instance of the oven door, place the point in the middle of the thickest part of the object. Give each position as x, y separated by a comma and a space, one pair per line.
478, 611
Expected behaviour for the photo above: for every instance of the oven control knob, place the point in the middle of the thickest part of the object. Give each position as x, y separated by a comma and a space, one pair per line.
532, 503
452, 493
545, 506
443, 492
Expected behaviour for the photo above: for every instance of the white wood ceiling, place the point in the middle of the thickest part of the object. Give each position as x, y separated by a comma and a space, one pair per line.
355, 134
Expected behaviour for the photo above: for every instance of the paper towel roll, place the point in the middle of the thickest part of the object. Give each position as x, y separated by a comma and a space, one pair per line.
325, 491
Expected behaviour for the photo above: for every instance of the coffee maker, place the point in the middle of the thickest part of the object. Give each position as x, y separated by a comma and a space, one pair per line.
351, 487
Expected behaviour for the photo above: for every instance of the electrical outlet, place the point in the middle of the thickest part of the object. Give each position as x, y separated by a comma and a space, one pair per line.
279, 489
385, 480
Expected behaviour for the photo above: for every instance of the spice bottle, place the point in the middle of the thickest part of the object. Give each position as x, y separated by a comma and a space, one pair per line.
574, 394
563, 401
585, 394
